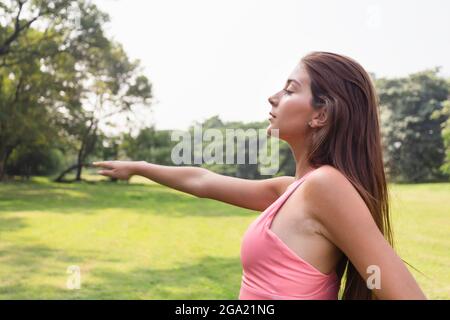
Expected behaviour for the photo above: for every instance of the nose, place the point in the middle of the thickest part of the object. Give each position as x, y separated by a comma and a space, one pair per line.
272, 100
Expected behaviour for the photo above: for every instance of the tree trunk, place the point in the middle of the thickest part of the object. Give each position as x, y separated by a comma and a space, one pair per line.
76, 166
60, 178
2, 169
85, 148
79, 165
3, 161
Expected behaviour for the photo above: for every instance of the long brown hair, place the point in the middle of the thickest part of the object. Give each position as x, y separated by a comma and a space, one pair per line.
350, 142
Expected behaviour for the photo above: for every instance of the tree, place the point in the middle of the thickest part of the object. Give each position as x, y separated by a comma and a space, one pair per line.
413, 144
445, 112
38, 80
149, 145
29, 100
20, 15
113, 85
62, 80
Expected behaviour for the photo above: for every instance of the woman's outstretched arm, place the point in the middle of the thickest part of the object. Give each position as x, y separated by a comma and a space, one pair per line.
203, 183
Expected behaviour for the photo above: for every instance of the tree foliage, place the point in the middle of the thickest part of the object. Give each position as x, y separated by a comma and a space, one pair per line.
413, 144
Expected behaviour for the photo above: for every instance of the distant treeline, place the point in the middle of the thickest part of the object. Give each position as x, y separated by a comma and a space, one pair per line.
64, 84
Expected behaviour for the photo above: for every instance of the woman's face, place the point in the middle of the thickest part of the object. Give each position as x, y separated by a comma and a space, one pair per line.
291, 107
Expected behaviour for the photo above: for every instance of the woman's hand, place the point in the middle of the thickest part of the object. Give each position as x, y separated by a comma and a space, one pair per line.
122, 170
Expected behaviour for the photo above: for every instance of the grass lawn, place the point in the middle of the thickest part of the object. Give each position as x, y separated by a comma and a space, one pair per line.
146, 241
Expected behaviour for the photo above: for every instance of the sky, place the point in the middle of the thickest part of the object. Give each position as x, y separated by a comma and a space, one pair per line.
208, 57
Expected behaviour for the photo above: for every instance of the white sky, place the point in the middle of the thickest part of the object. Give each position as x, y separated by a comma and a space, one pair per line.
227, 57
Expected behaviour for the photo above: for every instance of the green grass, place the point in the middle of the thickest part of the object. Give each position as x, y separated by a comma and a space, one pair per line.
421, 219
146, 241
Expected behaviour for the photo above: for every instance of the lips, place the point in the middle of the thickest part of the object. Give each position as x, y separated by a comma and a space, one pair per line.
273, 116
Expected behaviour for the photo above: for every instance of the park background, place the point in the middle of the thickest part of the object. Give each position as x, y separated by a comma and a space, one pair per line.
111, 79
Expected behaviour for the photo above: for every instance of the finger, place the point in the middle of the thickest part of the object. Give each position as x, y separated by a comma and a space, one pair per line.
103, 164
107, 173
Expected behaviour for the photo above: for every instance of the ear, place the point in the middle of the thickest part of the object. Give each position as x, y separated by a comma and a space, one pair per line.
320, 117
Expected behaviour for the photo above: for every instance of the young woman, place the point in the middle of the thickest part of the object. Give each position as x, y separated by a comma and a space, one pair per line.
328, 224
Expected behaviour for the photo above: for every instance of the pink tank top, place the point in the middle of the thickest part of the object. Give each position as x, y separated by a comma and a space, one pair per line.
271, 270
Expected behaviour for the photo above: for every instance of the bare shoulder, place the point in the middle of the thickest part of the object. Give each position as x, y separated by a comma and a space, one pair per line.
326, 177
329, 194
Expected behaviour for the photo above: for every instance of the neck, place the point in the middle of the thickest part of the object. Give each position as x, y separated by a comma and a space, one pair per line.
302, 166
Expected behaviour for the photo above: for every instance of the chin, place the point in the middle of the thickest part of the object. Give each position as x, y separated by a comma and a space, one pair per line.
271, 127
